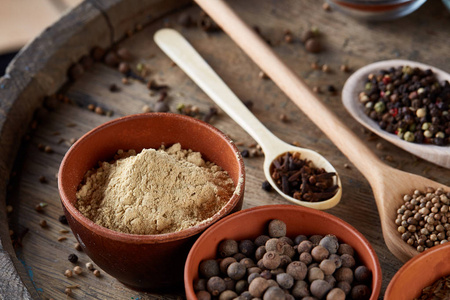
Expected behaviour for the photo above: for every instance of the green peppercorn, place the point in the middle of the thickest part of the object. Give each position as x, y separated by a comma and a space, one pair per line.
408, 136
379, 107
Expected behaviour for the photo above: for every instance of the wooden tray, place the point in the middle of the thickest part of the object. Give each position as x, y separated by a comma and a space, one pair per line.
34, 268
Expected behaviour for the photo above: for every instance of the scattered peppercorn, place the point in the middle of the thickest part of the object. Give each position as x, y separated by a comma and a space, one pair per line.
113, 88
42, 179
63, 219
409, 102
43, 224
73, 258
266, 186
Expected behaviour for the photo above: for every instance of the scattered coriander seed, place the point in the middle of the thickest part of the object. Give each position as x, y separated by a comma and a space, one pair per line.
43, 223
284, 118
90, 266
146, 109
91, 107
99, 111
77, 247
48, 149
73, 258
77, 270
68, 273
326, 68
96, 273
263, 75
344, 68
326, 7
68, 291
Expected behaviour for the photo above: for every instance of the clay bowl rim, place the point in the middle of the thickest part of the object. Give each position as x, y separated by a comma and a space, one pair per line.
359, 237
397, 279
150, 238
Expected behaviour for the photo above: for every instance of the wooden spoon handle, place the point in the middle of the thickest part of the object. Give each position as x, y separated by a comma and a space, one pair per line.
360, 154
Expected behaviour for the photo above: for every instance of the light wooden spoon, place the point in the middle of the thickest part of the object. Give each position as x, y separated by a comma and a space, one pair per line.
439, 155
187, 58
388, 184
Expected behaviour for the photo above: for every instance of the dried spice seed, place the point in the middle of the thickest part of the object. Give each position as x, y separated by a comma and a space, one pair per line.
77, 247
9, 209
113, 88
63, 219
266, 186
62, 238
424, 217
77, 270
42, 179
299, 179
96, 273
68, 273
313, 45
43, 224
440, 289
276, 271
90, 266
73, 258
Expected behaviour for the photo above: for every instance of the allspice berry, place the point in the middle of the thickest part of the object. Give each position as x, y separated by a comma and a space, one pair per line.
274, 293
215, 285
261, 240
271, 260
346, 249
360, 292
227, 295
258, 286
236, 271
319, 253
305, 246
336, 294
209, 268
362, 274
330, 242
348, 261
247, 247
241, 286
344, 274
315, 274
203, 295
277, 228
300, 289
327, 266
297, 270
285, 280
224, 263
319, 288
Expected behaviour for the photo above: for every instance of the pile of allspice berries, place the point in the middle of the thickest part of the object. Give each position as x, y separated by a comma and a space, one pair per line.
274, 266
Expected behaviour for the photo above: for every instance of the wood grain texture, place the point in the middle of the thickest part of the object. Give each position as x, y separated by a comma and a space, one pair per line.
346, 41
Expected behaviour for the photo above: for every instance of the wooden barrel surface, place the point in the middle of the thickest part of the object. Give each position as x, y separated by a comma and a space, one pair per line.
37, 128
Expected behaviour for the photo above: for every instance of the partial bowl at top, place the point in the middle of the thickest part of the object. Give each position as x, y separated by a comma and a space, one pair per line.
419, 272
376, 10
250, 223
350, 98
144, 261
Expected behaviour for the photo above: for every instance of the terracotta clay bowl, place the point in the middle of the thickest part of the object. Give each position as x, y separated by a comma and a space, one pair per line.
250, 223
147, 262
419, 272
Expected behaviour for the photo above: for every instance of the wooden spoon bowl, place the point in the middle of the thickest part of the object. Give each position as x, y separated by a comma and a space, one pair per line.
388, 184
439, 155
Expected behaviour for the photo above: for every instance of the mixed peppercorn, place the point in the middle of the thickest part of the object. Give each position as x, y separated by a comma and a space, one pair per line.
409, 102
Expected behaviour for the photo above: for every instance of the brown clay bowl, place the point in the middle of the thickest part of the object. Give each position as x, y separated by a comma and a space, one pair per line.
250, 223
144, 261
419, 272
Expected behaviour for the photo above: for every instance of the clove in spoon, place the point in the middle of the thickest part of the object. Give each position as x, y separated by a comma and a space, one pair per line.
188, 59
388, 184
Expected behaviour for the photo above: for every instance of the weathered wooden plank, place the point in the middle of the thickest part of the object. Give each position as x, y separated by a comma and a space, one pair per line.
346, 41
